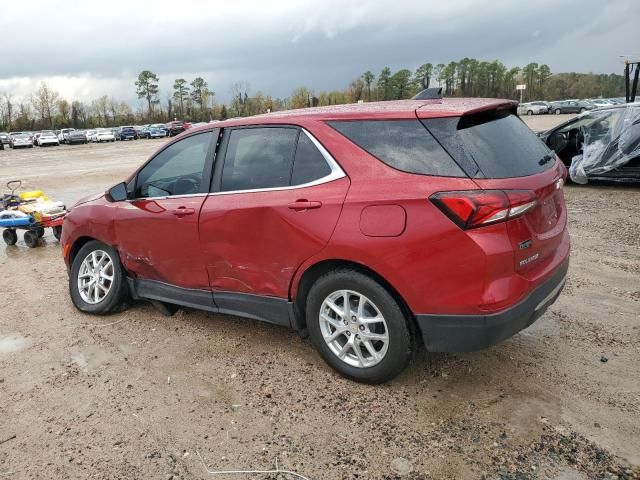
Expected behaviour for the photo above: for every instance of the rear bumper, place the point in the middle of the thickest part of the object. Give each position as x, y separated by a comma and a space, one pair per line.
466, 333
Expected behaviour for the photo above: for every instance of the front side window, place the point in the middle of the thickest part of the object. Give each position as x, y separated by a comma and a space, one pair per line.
176, 170
258, 158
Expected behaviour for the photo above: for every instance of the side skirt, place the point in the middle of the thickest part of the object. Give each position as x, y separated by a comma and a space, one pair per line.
278, 311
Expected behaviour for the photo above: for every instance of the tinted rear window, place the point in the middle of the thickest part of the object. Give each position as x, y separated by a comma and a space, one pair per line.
498, 142
402, 144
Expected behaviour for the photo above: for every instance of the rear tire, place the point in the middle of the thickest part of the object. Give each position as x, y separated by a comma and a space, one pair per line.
366, 351
558, 112
31, 238
40, 232
100, 264
529, 112
9, 236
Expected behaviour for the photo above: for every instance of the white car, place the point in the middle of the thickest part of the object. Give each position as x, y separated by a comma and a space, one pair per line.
103, 135
47, 137
532, 108
63, 132
89, 134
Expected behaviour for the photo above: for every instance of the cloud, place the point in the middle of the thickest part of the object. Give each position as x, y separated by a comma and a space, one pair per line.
86, 52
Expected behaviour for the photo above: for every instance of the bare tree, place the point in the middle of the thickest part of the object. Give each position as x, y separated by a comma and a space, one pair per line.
44, 102
6, 111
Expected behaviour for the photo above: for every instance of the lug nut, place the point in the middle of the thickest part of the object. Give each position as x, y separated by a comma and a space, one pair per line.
362, 328
348, 333
357, 337
353, 318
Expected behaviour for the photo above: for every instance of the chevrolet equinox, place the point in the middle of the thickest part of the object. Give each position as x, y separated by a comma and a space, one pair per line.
369, 227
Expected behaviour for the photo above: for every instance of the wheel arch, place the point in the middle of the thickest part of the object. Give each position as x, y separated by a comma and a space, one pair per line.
77, 245
316, 270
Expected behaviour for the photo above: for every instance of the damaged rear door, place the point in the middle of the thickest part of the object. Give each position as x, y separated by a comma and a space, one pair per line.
276, 198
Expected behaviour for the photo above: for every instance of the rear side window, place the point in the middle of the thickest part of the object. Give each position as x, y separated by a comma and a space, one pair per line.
498, 142
258, 158
309, 164
271, 157
402, 144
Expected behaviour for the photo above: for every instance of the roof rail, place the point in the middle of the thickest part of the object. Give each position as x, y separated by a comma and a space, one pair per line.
432, 93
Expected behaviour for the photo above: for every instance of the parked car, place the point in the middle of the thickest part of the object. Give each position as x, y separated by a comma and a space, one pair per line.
175, 128
570, 106
76, 136
89, 134
156, 131
21, 140
532, 108
47, 137
62, 136
4, 138
369, 226
142, 131
600, 145
127, 133
103, 135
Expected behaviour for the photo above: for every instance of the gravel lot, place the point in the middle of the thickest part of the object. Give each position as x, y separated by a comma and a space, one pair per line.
139, 395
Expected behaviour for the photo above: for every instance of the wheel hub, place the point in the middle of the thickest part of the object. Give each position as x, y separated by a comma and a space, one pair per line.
95, 277
354, 329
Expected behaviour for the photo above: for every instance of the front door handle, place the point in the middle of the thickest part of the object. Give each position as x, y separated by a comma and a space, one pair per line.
303, 204
183, 211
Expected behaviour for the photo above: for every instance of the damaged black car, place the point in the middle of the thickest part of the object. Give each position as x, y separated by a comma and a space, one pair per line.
600, 145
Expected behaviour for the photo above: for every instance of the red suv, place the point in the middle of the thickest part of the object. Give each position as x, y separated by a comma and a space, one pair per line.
367, 226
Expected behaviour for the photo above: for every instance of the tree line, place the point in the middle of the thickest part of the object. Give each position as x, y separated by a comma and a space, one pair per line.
194, 101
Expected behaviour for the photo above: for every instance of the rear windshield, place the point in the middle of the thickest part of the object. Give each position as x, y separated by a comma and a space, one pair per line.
497, 142
402, 144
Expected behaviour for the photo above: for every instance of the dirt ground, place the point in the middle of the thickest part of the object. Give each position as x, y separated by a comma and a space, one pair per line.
138, 395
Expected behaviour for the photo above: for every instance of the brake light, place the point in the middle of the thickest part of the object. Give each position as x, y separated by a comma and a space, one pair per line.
476, 208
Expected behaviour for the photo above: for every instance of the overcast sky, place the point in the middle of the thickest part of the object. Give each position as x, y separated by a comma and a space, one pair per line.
85, 50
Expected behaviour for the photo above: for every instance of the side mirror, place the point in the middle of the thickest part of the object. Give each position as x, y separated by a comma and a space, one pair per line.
118, 193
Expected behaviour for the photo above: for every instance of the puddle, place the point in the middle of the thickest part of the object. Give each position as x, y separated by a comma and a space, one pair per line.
13, 343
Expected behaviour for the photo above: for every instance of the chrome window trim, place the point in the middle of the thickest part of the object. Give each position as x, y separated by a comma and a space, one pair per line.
335, 174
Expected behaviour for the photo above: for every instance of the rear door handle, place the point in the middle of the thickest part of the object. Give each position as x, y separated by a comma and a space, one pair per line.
183, 211
300, 205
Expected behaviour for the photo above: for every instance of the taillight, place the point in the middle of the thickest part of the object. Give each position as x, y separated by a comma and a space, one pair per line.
476, 208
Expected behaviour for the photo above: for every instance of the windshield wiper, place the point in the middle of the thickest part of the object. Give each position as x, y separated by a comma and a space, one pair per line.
548, 157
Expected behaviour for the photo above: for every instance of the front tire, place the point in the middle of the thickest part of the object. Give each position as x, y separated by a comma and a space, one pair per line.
529, 112
9, 236
97, 282
370, 340
558, 112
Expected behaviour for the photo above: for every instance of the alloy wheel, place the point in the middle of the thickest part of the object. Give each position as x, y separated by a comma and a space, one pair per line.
354, 329
95, 277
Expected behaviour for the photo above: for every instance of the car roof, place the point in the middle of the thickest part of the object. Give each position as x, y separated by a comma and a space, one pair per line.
388, 110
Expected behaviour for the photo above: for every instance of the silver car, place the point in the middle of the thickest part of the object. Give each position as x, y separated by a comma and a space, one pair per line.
21, 140
533, 108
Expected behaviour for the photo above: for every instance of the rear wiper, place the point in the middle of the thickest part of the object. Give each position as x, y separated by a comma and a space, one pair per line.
548, 157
